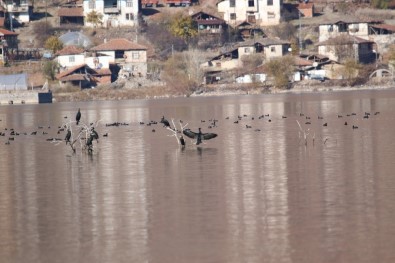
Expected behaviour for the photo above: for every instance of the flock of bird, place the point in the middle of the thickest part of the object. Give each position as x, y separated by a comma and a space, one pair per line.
198, 136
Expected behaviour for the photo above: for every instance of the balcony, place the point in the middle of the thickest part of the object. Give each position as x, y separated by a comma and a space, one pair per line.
113, 9
18, 8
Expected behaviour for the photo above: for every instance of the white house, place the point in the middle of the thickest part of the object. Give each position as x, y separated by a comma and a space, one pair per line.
131, 56
70, 56
19, 10
116, 13
260, 12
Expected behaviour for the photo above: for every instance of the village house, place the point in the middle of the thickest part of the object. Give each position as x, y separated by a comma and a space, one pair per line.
268, 48
19, 10
70, 56
248, 31
260, 12
8, 44
344, 47
208, 24
71, 13
347, 25
129, 56
84, 76
116, 13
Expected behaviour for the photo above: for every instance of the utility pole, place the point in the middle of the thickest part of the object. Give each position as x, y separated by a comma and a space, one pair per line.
300, 34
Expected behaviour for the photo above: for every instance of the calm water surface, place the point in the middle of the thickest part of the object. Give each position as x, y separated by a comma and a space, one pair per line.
260, 194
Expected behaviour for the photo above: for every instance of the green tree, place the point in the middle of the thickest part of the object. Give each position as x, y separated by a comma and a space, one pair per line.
54, 44
280, 70
184, 27
94, 18
49, 69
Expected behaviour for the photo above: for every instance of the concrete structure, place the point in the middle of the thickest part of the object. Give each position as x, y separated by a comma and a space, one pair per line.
70, 56
115, 13
260, 12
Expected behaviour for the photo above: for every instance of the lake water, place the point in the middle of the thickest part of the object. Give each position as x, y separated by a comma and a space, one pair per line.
259, 194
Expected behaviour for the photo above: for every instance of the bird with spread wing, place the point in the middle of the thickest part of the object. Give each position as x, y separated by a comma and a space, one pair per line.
199, 136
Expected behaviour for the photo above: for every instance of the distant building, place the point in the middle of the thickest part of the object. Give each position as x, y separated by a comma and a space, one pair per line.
115, 13
19, 10
71, 13
13, 82
130, 56
260, 12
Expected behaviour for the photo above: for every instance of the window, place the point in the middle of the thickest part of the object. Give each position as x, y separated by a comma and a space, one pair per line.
330, 28
343, 27
232, 3
92, 4
246, 50
135, 55
272, 49
251, 3
269, 2
129, 4
271, 15
233, 16
129, 16
71, 58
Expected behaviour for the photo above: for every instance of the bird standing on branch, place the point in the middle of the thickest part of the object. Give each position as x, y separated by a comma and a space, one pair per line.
199, 136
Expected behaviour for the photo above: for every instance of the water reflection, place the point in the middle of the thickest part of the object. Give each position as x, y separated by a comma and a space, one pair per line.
257, 194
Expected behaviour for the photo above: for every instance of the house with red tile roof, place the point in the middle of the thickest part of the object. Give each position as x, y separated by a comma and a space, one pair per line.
70, 56
130, 56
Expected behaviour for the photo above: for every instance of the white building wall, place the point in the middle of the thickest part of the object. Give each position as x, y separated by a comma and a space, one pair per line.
263, 13
69, 61
127, 16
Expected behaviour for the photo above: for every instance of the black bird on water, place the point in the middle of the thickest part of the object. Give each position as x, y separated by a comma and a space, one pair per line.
165, 122
199, 136
182, 141
68, 136
78, 116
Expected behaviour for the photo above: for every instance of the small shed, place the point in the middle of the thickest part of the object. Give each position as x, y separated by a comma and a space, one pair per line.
13, 82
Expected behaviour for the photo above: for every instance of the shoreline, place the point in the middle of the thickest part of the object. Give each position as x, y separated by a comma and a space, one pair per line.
223, 90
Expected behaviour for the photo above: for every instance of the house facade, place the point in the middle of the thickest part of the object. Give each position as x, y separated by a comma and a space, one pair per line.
70, 56
130, 56
268, 48
115, 13
19, 10
343, 47
208, 24
260, 12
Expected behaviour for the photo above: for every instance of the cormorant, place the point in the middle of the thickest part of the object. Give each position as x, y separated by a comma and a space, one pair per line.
68, 136
165, 122
199, 136
94, 134
78, 116
182, 141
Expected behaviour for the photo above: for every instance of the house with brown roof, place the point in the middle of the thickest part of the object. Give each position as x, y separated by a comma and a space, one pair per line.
70, 56
130, 56
71, 13
208, 24
84, 77
267, 48
345, 47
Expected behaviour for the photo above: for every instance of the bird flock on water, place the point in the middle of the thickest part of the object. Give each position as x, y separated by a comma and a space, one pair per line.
75, 132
